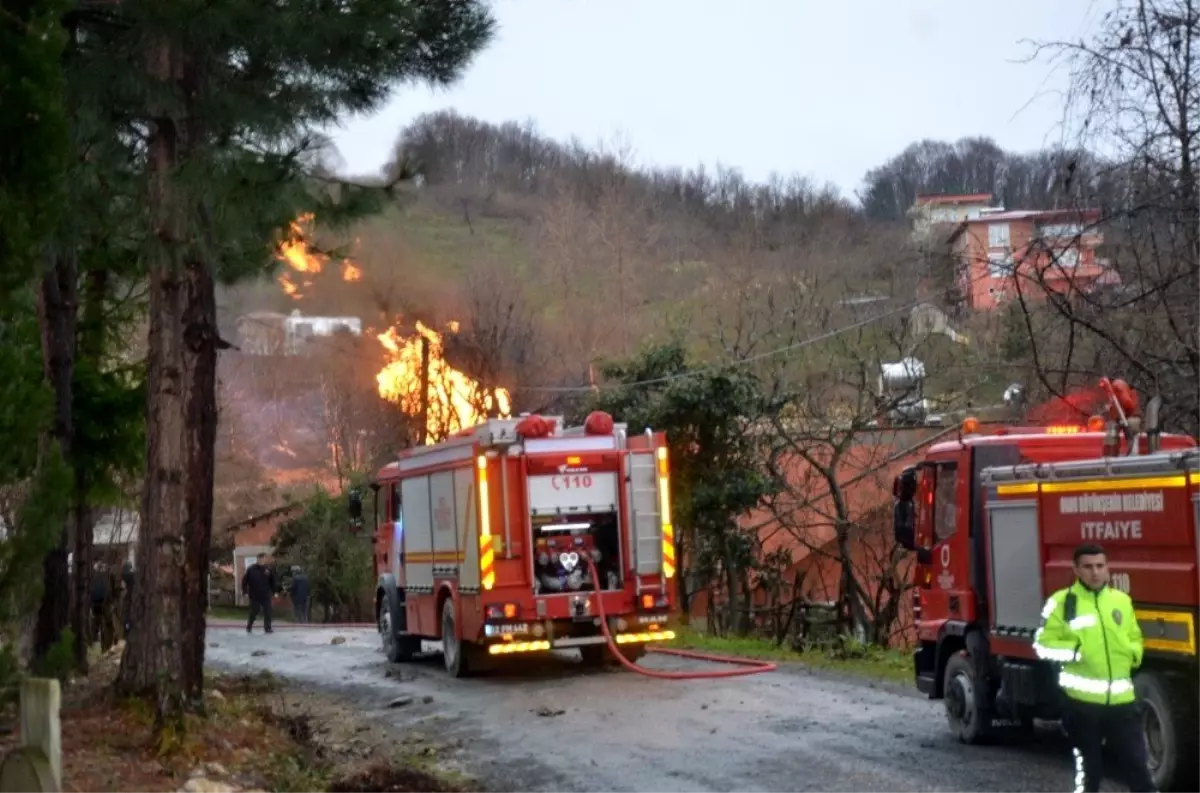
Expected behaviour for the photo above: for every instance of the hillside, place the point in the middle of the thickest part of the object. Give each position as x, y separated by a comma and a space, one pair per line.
551, 259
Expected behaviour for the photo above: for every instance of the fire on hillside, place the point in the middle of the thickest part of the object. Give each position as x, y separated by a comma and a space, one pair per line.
306, 263
453, 400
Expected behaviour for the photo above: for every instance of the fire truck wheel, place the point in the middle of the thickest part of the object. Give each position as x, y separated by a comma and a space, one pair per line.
398, 649
460, 657
967, 708
1170, 724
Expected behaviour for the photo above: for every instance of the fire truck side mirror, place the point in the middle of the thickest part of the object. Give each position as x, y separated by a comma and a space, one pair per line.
904, 488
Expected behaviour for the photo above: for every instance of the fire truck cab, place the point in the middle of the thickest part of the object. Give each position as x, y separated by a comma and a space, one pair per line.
994, 520
486, 540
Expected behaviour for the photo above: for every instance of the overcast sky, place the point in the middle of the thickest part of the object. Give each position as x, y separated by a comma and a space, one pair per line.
821, 88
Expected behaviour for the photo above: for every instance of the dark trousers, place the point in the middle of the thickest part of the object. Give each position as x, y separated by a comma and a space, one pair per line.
300, 608
257, 606
1113, 730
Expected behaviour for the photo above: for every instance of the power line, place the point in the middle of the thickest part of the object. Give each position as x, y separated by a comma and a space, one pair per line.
713, 367
737, 362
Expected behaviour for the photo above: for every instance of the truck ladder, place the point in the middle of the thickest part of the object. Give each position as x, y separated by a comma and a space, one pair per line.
647, 523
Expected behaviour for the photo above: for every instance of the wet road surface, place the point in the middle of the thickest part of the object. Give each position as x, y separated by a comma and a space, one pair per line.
551, 725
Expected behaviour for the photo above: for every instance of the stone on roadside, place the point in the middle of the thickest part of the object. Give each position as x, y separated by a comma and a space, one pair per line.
199, 784
338, 640
400, 702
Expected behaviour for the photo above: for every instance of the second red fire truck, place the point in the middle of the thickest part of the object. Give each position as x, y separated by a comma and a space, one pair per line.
994, 519
485, 543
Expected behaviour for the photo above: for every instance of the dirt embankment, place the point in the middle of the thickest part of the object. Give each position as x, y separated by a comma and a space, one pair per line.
257, 733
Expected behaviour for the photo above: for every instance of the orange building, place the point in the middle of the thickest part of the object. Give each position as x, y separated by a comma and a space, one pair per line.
999, 251
803, 522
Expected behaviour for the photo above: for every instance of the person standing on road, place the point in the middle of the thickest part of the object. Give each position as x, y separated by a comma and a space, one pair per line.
259, 585
1091, 630
102, 594
127, 595
300, 594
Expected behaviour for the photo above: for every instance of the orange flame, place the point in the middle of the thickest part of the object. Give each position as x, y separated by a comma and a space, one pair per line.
455, 400
297, 254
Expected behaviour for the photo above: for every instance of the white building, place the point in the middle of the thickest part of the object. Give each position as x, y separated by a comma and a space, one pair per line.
270, 333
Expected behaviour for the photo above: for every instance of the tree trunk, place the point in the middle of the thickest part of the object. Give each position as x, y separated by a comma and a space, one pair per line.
57, 303
681, 574
153, 665
200, 354
90, 347
733, 598
81, 612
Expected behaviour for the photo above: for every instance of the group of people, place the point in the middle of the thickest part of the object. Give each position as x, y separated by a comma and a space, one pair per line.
260, 586
111, 597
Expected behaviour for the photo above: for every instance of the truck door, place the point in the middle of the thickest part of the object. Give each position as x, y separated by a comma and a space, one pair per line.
949, 566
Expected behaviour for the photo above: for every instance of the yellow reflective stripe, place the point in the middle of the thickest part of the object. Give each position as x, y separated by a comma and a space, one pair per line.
1087, 685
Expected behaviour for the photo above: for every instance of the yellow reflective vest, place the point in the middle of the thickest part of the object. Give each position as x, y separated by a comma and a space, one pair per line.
1096, 638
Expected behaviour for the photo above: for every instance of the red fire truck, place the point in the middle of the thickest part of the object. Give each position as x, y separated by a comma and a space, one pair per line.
482, 547
994, 519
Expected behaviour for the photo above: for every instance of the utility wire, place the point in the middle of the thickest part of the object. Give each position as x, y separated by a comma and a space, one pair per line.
580, 389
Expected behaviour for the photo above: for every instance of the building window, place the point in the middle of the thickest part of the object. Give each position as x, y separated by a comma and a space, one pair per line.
999, 265
1068, 258
998, 236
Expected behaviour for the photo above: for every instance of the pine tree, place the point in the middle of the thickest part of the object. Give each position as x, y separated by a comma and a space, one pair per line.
222, 101
34, 128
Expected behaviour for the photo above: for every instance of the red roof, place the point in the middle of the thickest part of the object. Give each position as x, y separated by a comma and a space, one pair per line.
1088, 215
261, 529
952, 198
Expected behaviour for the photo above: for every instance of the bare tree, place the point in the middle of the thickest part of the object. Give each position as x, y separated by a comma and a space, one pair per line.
795, 315
1135, 94
501, 342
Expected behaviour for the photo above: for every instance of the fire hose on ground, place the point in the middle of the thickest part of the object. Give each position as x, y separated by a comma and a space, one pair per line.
746, 666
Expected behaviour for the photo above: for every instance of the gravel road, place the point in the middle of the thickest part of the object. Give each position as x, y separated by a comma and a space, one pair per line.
555, 726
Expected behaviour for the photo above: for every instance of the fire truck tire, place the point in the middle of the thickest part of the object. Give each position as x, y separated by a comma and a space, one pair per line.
399, 649
462, 658
1169, 718
968, 710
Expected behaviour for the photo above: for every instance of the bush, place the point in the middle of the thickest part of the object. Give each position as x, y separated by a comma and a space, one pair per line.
337, 562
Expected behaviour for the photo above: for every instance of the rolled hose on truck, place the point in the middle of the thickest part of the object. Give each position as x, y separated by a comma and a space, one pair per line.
747, 666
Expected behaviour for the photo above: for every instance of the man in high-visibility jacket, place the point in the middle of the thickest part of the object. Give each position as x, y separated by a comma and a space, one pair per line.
1091, 630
